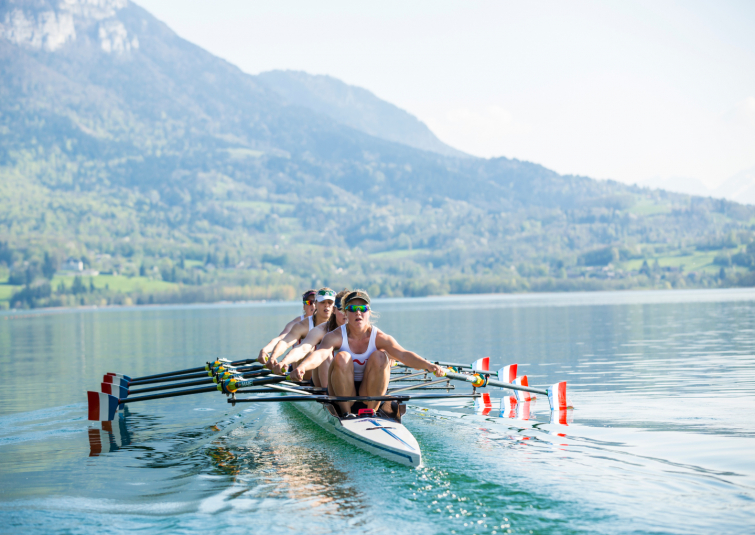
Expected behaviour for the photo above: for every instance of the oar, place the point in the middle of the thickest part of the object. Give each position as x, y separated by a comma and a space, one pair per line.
204, 368
331, 399
480, 382
198, 382
103, 407
197, 375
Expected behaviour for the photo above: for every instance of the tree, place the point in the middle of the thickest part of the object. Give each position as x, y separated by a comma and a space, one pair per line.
49, 266
78, 286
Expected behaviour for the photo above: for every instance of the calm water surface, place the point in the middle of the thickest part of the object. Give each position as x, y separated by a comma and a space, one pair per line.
660, 440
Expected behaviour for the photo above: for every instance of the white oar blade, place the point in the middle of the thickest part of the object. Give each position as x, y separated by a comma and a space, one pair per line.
483, 405
557, 396
119, 376
481, 365
521, 395
507, 374
508, 407
561, 417
114, 390
102, 407
115, 380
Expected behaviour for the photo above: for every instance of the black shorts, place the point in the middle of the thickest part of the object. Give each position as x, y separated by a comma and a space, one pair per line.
357, 404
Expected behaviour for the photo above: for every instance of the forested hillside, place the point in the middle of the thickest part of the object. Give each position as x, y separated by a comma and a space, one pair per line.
172, 176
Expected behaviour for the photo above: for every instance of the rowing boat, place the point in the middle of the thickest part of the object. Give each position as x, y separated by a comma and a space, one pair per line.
379, 435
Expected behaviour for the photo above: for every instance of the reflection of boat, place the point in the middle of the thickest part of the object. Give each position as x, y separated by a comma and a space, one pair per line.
382, 436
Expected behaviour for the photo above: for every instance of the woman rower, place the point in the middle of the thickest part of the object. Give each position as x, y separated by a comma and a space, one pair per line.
361, 365
308, 306
311, 341
323, 310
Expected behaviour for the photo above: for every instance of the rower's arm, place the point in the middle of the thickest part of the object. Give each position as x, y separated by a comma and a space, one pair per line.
293, 336
271, 344
331, 341
287, 328
313, 338
410, 358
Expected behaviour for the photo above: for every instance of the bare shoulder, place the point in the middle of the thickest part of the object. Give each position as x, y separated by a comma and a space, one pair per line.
317, 334
333, 339
383, 340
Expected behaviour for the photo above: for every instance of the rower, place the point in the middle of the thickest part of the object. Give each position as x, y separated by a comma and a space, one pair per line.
363, 354
323, 310
308, 306
311, 342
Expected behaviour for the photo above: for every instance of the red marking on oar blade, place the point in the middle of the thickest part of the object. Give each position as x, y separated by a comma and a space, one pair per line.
93, 399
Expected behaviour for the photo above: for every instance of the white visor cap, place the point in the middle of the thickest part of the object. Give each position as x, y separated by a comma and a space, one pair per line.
326, 296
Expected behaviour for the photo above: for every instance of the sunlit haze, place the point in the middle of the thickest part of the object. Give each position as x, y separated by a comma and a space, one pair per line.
609, 90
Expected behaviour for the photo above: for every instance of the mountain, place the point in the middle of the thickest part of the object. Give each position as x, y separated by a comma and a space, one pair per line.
355, 107
690, 186
739, 188
136, 152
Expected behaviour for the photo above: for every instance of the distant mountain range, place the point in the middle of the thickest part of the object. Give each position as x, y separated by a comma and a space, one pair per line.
143, 154
738, 188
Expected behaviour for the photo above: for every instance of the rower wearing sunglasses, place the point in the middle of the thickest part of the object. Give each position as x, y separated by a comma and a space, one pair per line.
361, 365
308, 306
323, 309
311, 343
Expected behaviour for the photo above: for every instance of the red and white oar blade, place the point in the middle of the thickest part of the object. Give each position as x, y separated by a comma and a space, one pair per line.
557, 396
120, 376
507, 374
523, 410
114, 390
102, 407
521, 395
481, 365
115, 380
483, 405
508, 407
561, 417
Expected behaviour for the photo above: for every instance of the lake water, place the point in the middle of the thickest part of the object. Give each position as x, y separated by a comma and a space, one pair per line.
660, 440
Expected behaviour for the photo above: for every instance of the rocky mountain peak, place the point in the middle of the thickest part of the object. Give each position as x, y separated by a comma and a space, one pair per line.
50, 25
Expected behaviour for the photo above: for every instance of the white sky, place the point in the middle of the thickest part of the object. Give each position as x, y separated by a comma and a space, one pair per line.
607, 89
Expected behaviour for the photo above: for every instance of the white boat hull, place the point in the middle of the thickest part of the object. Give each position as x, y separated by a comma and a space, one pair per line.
380, 436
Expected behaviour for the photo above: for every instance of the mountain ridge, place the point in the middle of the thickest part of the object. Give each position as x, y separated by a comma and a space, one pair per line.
127, 146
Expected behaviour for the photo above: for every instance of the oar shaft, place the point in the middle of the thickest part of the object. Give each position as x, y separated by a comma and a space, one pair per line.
205, 380
329, 399
199, 375
190, 370
213, 388
493, 382
173, 394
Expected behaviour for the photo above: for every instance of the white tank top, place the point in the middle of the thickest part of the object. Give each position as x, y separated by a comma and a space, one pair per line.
359, 359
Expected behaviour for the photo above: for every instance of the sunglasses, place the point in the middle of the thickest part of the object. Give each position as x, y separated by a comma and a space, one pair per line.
357, 308
309, 302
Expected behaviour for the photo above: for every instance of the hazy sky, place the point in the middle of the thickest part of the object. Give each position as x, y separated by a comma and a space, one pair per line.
609, 89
